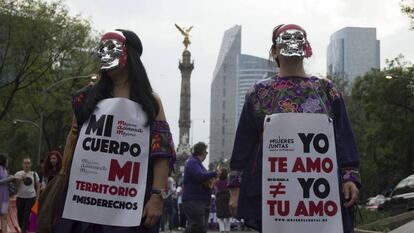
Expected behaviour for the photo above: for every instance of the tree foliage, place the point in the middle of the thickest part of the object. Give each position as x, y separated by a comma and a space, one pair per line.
407, 7
382, 114
41, 46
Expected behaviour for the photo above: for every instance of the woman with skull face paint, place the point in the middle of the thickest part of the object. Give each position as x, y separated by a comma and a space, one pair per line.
122, 75
292, 90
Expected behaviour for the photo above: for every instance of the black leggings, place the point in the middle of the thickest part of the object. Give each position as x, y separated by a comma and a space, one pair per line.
24, 207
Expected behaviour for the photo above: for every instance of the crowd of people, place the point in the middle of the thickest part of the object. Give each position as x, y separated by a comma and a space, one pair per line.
25, 186
126, 171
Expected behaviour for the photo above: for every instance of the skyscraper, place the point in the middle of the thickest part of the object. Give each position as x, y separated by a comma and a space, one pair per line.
234, 74
352, 52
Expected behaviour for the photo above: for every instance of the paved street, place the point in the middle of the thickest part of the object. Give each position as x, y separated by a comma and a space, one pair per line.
407, 228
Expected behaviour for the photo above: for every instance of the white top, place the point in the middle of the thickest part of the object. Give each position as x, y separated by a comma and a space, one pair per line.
25, 186
179, 193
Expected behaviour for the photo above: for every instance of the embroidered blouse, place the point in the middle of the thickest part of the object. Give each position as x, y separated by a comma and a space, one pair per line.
293, 94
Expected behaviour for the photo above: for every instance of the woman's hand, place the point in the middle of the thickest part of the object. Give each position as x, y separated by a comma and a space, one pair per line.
234, 199
351, 193
153, 210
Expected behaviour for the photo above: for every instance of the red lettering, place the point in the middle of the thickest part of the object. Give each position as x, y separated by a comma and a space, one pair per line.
315, 208
301, 209
115, 170
298, 167
313, 165
331, 208
320, 208
78, 183
327, 165
135, 173
133, 192
278, 205
88, 187
122, 191
95, 188
113, 190
271, 204
282, 164
82, 187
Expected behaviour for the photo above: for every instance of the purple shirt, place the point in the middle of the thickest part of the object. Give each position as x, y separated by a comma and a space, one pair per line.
221, 185
195, 174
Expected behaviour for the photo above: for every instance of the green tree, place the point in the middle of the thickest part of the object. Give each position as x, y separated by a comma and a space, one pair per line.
41, 46
383, 118
341, 82
35, 36
407, 7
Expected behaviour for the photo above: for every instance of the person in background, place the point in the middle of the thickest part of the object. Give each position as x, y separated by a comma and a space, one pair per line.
28, 187
222, 201
169, 206
51, 167
197, 190
5, 178
182, 220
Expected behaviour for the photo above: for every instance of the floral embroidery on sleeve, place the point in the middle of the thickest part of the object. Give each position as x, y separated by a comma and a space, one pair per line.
162, 145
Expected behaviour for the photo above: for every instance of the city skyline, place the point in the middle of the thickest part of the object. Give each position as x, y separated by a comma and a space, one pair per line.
353, 51
234, 74
154, 22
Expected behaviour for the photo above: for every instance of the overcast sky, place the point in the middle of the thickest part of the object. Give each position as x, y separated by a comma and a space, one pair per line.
153, 21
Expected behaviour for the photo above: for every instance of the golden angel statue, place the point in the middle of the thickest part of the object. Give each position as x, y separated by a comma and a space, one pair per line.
186, 34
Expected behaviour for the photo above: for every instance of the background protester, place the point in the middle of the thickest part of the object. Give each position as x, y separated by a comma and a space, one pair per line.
222, 201
292, 90
182, 220
197, 190
28, 187
51, 166
122, 76
170, 208
5, 178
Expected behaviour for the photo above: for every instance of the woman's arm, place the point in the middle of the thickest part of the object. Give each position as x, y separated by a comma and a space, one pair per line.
6, 180
161, 168
244, 144
346, 148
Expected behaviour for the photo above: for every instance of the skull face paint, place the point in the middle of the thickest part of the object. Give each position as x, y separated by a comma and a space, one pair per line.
292, 43
112, 51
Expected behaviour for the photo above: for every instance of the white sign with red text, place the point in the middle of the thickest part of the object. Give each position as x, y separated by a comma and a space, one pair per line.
300, 190
109, 168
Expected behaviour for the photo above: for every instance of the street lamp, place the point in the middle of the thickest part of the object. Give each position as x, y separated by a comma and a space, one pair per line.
17, 121
46, 92
410, 85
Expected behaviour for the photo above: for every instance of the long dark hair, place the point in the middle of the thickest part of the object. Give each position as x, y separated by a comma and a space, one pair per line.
48, 167
140, 87
223, 174
273, 47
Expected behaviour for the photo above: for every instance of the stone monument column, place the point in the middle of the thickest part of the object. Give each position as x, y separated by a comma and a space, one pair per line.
186, 66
